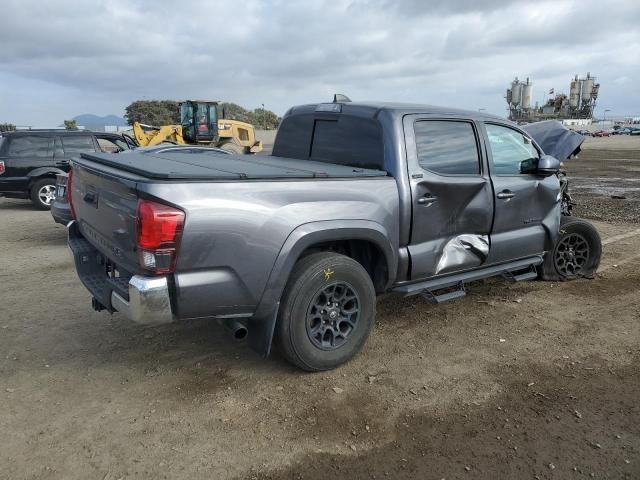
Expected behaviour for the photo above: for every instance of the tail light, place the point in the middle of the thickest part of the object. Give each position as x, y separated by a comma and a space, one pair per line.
70, 194
2, 167
158, 231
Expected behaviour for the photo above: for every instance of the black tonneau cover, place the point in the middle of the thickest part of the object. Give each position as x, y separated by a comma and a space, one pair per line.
210, 165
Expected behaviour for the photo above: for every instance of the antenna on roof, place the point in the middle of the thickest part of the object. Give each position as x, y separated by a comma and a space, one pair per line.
339, 98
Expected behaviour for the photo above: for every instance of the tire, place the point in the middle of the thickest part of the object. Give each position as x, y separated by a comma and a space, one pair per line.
232, 148
576, 253
310, 337
43, 193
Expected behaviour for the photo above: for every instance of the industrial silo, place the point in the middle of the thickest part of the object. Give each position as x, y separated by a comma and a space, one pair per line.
527, 95
516, 92
587, 87
574, 93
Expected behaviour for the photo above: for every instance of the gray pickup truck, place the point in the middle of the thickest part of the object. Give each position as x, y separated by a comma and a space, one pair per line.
357, 199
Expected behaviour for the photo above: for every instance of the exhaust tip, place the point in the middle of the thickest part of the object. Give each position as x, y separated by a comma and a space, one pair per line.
240, 334
236, 329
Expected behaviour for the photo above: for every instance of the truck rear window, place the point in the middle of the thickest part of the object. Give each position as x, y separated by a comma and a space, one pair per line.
347, 140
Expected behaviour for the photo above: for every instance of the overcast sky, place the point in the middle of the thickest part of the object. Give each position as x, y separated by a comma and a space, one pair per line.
63, 58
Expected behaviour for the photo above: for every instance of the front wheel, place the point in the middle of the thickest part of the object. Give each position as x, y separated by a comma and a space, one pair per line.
326, 313
576, 253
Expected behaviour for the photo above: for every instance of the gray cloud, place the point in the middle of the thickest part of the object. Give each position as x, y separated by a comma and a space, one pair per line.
66, 57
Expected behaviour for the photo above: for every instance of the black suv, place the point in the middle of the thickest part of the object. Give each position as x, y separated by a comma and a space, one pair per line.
31, 159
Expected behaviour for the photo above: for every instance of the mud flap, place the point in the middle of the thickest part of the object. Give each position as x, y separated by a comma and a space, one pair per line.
261, 330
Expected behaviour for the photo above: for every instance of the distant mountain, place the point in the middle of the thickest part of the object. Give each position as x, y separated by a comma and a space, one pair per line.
95, 122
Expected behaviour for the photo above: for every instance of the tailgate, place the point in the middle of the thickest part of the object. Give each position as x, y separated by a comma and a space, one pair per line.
105, 207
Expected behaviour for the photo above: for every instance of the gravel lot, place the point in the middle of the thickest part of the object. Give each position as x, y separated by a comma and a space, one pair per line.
607, 167
532, 380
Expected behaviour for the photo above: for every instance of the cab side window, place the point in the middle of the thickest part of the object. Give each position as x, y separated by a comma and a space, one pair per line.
447, 147
29, 146
112, 146
77, 144
512, 152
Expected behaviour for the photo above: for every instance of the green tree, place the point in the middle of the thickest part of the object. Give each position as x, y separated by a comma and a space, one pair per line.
7, 127
70, 125
232, 111
258, 118
166, 112
153, 112
264, 119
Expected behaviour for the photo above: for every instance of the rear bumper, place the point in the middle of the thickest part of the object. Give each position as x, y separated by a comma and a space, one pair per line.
149, 301
142, 299
61, 212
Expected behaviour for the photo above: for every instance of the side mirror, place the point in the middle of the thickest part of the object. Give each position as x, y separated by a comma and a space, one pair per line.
548, 165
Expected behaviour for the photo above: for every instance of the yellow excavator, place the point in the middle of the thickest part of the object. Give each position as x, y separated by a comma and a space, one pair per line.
200, 125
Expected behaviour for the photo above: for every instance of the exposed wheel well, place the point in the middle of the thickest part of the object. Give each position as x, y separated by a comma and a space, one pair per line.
35, 179
366, 253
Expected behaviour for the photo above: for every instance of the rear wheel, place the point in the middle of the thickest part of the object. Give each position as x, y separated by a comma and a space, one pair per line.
327, 312
43, 193
576, 253
232, 148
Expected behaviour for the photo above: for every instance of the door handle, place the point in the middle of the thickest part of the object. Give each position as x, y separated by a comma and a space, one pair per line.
428, 199
505, 195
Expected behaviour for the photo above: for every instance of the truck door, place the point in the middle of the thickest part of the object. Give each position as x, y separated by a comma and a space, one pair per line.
452, 200
527, 206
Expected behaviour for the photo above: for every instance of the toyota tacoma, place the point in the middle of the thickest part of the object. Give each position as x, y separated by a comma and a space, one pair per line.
292, 248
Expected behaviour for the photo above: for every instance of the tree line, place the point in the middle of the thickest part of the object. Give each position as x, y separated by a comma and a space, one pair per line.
166, 112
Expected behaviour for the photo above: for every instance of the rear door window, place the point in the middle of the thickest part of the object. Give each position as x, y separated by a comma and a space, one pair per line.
77, 144
112, 145
447, 147
31, 146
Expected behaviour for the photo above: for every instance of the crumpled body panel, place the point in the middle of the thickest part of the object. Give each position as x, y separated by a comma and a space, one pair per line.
555, 139
466, 251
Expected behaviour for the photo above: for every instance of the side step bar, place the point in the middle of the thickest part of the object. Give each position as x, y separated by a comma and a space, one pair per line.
517, 271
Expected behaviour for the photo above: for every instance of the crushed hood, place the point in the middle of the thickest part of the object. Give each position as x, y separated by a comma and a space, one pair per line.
555, 139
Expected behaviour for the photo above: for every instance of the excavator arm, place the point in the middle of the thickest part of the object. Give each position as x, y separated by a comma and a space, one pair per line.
148, 135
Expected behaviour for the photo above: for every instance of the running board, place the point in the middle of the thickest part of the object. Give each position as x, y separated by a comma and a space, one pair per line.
530, 274
512, 270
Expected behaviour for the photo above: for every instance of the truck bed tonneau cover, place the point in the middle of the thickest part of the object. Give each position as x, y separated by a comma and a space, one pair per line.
210, 165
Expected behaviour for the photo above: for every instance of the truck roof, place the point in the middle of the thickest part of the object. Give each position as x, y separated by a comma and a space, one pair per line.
371, 109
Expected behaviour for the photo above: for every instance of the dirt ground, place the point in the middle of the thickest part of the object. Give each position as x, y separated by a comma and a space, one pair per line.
531, 380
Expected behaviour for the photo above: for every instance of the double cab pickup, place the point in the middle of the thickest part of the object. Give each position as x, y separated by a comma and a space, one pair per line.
292, 248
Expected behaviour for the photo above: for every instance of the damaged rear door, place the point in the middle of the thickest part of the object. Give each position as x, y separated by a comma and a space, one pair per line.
452, 199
